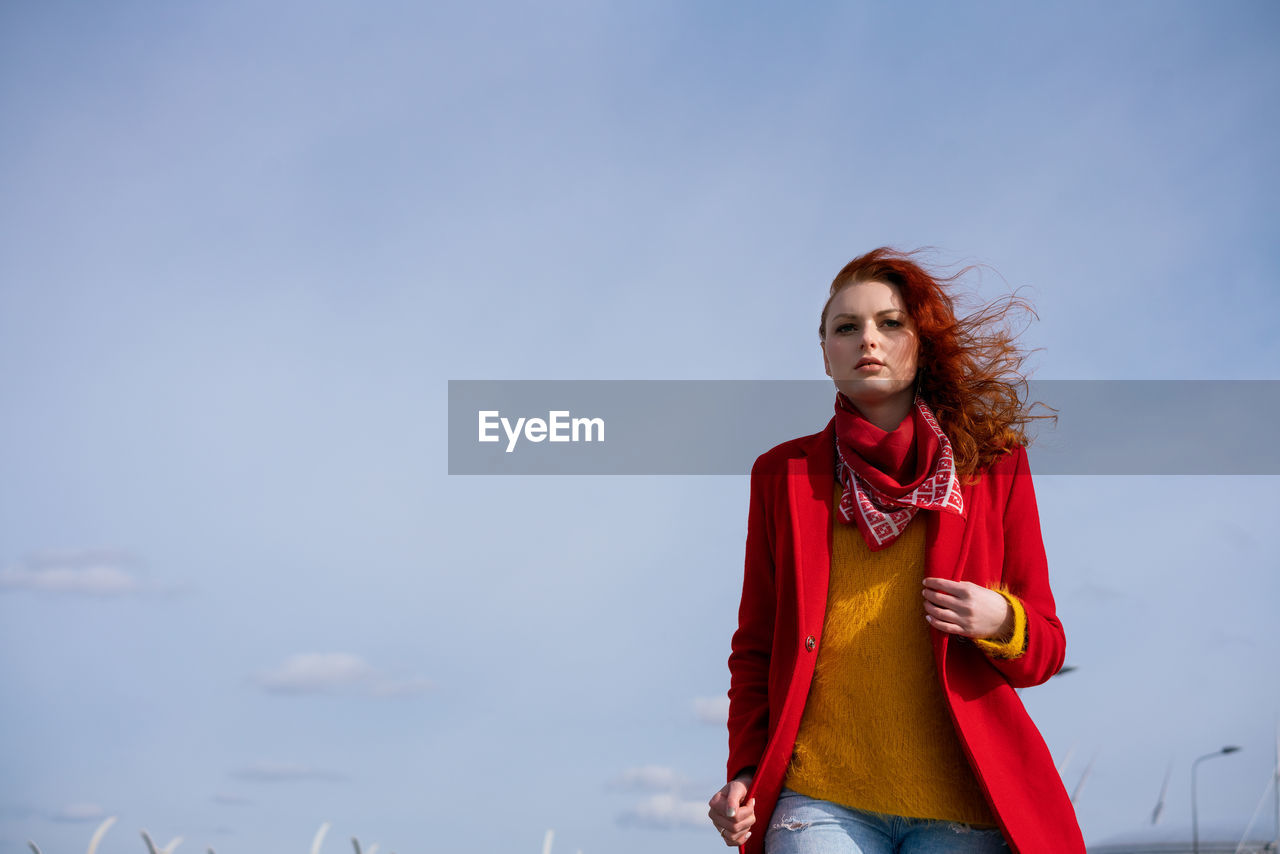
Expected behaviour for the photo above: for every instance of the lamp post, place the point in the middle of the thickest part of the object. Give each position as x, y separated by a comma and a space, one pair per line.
1195, 826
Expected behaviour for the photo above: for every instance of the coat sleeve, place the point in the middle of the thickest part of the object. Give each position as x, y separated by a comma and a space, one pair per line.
753, 641
1026, 574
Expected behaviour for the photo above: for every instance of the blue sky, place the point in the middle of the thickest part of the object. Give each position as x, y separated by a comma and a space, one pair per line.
244, 247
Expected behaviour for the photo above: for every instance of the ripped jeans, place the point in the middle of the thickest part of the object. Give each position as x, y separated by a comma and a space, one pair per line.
804, 825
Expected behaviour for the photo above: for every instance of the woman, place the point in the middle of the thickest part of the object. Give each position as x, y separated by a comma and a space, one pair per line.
895, 594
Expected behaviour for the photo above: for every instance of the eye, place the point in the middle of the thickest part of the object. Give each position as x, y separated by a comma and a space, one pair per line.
894, 324
844, 327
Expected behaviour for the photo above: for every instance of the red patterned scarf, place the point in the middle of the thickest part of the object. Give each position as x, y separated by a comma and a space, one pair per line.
888, 476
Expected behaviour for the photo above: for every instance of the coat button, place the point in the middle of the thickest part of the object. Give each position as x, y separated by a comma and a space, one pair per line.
810, 643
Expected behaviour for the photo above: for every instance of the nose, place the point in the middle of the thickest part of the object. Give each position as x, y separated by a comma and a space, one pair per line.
870, 338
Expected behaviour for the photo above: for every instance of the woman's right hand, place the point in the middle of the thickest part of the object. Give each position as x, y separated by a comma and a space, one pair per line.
729, 814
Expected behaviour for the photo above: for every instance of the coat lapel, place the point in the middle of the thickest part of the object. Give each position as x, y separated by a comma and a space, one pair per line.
944, 535
811, 482
943, 542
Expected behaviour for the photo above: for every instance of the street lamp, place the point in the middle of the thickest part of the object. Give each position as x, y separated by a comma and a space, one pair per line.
1195, 826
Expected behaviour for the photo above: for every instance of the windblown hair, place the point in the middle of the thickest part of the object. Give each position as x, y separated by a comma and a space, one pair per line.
970, 368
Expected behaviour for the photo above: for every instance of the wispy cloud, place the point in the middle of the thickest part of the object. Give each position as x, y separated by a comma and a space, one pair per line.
89, 580
649, 778
666, 812
336, 673
78, 813
88, 572
667, 807
284, 772
712, 710
312, 673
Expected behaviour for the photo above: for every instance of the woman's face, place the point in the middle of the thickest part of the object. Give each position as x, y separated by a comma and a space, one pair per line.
871, 344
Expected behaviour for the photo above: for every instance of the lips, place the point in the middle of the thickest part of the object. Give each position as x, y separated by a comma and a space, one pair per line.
868, 361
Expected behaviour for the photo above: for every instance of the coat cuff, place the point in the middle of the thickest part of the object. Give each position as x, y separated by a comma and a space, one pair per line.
1015, 645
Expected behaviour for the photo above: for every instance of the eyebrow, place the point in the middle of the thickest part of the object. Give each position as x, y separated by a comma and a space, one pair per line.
877, 314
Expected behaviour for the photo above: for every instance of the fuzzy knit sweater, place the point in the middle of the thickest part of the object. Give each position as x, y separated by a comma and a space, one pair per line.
876, 734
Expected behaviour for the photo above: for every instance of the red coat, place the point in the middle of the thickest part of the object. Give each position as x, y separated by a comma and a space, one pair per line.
784, 599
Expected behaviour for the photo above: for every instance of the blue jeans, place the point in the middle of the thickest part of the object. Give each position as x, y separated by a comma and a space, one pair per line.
804, 825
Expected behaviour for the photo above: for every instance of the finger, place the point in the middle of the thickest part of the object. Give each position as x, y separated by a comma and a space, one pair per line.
950, 613
717, 807
728, 797
943, 614
944, 599
736, 839
946, 585
744, 818
733, 825
959, 604
958, 614
944, 626
728, 819
731, 833
727, 830
734, 793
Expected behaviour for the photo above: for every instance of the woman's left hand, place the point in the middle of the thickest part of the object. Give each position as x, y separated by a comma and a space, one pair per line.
965, 608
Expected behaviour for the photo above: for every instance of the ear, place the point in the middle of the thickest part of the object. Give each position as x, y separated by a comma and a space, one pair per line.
826, 363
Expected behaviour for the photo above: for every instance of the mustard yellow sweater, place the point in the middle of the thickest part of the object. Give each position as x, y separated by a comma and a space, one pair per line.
876, 734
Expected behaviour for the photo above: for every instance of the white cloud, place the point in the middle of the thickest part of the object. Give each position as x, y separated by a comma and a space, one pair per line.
336, 673
92, 572
79, 812
284, 772
712, 710
91, 580
667, 812
650, 778
317, 672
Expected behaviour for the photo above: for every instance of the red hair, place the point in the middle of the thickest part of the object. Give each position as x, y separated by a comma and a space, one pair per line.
970, 368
